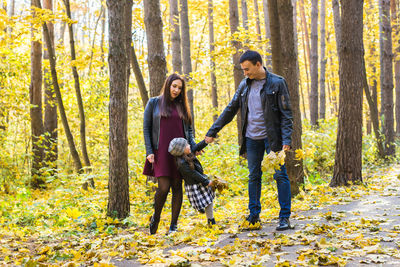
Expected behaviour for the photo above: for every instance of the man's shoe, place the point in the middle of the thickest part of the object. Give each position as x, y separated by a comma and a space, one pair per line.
173, 228
153, 225
253, 219
284, 224
211, 221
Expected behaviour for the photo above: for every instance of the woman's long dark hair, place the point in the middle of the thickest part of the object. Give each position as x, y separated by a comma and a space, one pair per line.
181, 101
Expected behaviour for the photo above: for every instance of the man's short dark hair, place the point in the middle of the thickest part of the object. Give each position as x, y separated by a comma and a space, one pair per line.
252, 56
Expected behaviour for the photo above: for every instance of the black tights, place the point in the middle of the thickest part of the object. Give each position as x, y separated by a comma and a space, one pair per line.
164, 184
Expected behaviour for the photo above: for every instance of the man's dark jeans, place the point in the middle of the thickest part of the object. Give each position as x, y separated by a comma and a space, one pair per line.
255, 153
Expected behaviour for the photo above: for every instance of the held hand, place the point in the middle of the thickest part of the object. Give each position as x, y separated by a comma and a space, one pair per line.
286, 147
150, 158
209, 139
199, 152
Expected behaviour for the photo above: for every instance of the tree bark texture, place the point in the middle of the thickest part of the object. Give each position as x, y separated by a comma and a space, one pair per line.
186, 56
214, 93
381, 77
268, 57
396, 32
155, 44
314, 64
257, 14
277, 65
139, 77
348, 162
245, 17
237, 70
78, 91
118, 183
175, 36
290, 73
35, 97
103, 30
336, 24
50, 103
387, 83
322, 100
61, 109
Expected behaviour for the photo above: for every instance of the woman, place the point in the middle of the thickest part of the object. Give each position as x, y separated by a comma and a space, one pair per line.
166, 117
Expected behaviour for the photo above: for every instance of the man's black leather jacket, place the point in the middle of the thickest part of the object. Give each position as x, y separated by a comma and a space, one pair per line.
151, 126
277, 111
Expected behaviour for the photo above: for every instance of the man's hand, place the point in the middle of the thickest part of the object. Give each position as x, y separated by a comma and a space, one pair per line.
150, 158
286, 147
197, 153
209, 139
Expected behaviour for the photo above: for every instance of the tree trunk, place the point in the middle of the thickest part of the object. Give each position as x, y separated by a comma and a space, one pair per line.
186, 57
337, 23
268, 57
155, 46
35, 96
314, 64
214, 93
237, 70
305, 30
50, 106
128, 42
348, 157
175, 36
257, 13
118, 182
94, 38
61, 109
373, 110
283, 11
322, 109
381, 77
139, 77
396, 32
78, 96
245, 17
387, 83
103, 29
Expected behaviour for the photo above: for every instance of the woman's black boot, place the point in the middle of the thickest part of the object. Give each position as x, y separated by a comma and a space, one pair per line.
153, 225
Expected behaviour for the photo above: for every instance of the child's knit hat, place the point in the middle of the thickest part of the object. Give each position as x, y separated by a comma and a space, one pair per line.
177, 146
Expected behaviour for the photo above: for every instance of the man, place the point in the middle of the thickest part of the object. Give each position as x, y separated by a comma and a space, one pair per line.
263, 100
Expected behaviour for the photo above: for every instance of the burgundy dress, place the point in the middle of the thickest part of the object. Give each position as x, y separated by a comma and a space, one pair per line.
164, 163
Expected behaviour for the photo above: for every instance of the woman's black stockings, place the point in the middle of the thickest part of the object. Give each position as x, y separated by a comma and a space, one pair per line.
164, 184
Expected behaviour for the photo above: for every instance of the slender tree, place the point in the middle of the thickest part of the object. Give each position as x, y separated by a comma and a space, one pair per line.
139, 77
245, 17
268, 57
61, 109
155, 45
237, 71
78, 95
337, 23
387, 82
322, 109
281, 11
396, 35
50, 106
175, 36
314, 64
35, 96
103, 30
257, 14
118, 181
348, 162
214, 93
186, 56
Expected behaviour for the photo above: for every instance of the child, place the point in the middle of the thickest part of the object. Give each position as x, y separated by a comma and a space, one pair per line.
197, 185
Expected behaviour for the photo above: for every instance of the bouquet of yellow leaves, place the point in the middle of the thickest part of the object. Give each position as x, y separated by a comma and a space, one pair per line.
273, 161
246, 225
219, 184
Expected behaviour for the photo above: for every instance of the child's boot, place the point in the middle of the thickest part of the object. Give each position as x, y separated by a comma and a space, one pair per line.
211, 221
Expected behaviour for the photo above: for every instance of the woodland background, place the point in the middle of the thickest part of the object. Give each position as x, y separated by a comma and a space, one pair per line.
73, 91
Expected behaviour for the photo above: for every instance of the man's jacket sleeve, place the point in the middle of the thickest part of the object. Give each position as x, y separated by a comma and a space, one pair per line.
285, 113
228, 114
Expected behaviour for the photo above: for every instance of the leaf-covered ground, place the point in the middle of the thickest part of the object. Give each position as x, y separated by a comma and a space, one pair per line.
356, 224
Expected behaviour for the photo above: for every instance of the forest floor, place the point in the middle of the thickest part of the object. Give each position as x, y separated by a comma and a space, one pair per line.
350, 233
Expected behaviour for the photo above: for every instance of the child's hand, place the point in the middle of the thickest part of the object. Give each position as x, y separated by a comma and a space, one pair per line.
212, 185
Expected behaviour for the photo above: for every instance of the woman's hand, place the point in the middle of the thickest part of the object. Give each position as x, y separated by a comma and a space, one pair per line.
150, 158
